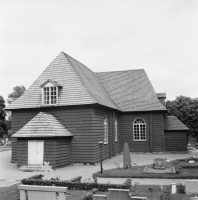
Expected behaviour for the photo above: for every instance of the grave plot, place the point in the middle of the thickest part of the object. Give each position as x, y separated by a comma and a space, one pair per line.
159, 166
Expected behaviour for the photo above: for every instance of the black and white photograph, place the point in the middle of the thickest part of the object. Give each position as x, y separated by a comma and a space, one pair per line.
98, 99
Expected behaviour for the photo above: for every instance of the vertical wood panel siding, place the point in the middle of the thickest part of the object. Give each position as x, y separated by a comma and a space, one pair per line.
56, 151
77, 119
50, 151
63, 152
22, 152
176, 141
112, 148
154, 122
14, 150
126, 132
158, 132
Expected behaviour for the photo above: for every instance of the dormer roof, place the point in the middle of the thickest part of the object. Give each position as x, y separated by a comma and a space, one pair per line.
52, 82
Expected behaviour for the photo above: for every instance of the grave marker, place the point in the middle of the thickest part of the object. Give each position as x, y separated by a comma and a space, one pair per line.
159, 163
46, 169
126, 157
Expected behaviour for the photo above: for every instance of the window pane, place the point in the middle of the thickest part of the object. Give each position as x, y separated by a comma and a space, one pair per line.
139, 130
49, 95
105, 130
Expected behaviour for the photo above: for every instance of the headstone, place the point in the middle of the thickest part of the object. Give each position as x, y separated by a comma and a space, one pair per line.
46, 169
126, 157
173, 188
42, 192
159, 163
117, 194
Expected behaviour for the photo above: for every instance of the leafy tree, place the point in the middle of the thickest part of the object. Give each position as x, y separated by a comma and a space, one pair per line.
3, 123
186, 110
17, 92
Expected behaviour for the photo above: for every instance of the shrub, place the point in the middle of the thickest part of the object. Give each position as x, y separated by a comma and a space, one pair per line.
181, 188
73, 185
36, 176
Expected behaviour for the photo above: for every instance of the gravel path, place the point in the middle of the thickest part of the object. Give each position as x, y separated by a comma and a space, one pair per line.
10, 171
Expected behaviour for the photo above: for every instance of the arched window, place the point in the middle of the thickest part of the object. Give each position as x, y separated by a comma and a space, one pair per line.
106, 130
139, 130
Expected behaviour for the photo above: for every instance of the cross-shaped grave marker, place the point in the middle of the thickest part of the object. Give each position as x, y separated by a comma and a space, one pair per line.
46, 168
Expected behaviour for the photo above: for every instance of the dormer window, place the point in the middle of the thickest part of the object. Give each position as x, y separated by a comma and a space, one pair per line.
50, 95
50, 92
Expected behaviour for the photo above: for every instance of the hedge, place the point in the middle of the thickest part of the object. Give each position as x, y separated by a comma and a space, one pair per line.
36, 180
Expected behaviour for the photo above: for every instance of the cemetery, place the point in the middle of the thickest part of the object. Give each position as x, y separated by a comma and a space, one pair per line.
44, 186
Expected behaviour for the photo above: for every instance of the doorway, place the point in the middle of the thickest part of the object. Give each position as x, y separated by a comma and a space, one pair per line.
35, 152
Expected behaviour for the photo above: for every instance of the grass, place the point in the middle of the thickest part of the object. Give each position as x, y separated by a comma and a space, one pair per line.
183, 168
9, 193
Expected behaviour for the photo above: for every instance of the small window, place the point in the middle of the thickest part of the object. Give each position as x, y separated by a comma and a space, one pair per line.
139, 130
106, 130
50, 95
116, 130
50, 92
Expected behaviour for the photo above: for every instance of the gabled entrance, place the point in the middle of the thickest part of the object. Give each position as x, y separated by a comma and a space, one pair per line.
35, 152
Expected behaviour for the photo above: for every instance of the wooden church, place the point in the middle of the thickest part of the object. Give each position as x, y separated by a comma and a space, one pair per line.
68, 109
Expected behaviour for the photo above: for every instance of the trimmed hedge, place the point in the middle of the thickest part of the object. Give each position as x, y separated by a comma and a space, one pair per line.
71, 185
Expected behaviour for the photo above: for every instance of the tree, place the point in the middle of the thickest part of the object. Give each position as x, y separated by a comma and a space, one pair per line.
186, 110
3, 123
17, 92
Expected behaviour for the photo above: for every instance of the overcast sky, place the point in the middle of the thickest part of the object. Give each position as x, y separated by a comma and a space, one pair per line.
160, 36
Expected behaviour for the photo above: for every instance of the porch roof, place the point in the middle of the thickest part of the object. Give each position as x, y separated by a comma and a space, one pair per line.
172, 123
43, 125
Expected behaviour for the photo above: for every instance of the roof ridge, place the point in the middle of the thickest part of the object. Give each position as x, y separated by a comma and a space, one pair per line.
77, 61
153, 90
69, 57
127, 70
76, 74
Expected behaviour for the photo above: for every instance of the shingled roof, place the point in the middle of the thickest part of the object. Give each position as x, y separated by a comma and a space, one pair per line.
172, 123
122, 90
43, 125
131, 90
80, 86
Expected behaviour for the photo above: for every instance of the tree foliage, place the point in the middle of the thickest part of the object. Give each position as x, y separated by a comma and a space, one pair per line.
3, 122
186, 110
17, 92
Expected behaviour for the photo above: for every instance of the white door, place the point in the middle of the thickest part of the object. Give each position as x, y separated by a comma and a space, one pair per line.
35, 152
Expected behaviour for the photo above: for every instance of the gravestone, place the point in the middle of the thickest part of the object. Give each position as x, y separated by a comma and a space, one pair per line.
117, 194
126, 157
159, 163
46, 168
42, 192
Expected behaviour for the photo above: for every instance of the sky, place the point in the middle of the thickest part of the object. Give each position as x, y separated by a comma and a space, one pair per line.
160, 36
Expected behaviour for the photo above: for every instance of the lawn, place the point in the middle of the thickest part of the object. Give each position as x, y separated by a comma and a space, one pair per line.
184, 170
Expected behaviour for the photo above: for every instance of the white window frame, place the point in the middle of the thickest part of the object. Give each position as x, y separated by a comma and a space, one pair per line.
50, 95
139, 128
116, 130
106, 131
